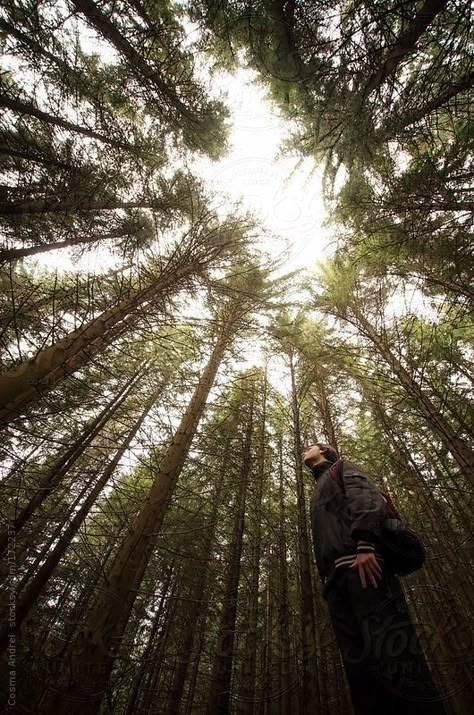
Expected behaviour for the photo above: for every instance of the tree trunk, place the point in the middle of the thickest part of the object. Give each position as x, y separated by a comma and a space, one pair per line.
310, 687
62, 465
324, 408
52, 536
249, 665
219, 692
38, 49
438, 424
24, 383
79, 609
400, 121
134, 700
13, 254
267, 690
287, 690
153, 685
405, 44
96, 649
28, 598
30, 155
22, 108
199, 591
138, 63
83, 202
61, 293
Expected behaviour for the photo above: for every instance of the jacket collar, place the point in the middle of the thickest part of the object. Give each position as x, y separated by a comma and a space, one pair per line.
318, 469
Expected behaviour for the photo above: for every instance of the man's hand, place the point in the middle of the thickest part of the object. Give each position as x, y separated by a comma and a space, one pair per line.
367, 565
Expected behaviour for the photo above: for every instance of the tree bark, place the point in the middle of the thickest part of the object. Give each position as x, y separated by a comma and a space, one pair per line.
136, 690
405, 44
30, 595
458, 448
310, 688
61, 293
287, 687
13, 254
249, 665
268, 653
82, 202
23, 384
400, 121
96, 648
38, 158
219, 692
22, 108
323, 406
64, 463
138, 64
37, 48
200, 589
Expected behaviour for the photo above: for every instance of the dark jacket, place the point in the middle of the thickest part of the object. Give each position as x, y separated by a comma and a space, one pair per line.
345, 520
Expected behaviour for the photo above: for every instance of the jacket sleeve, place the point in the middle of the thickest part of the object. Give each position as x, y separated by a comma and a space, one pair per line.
365, 505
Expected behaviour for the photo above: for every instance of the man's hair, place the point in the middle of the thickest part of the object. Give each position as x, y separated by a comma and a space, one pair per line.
329, 452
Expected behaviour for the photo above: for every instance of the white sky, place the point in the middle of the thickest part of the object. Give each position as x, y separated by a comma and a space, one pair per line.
289, 206
288, 202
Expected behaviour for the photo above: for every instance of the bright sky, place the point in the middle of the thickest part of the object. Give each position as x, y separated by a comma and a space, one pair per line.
289, 205
288, 202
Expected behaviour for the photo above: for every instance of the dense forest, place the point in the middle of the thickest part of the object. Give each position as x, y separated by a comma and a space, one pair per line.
156, 550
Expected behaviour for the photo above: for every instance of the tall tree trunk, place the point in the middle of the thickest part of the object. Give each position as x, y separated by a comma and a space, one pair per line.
84, 202
399, 121
287, 690
201, 634
404, 460
310, 687
61, 466
451, 402
38, 48
323, 406
134, 699
23, 384
22, 108
201, 630
156, 668
13, 254
138, 63
249, 665
60, 294
55, 533
405, 44
30, 595
97, 646
458, 448
77, 614
267, 701
219, 692
199, 592
31, 155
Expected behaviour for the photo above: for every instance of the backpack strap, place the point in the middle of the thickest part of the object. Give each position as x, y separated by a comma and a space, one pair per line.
336, 472
392, 511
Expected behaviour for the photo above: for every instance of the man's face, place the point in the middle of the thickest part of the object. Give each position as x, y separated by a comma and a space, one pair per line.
312, 455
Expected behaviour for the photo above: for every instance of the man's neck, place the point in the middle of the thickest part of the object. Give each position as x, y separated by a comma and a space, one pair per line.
320, 467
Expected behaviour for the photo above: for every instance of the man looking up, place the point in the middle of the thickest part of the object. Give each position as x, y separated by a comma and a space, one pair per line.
384, 663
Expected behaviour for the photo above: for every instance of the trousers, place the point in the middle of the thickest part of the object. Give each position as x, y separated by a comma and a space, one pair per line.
384, 662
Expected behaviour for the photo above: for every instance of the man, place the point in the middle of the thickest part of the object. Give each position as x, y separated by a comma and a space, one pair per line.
385, 666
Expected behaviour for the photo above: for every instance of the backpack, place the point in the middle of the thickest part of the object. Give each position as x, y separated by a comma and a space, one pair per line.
401, 547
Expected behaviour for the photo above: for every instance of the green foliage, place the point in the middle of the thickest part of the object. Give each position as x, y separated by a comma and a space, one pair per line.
375, 356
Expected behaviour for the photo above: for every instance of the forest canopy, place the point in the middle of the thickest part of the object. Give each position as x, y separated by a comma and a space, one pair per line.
156, 393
